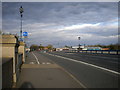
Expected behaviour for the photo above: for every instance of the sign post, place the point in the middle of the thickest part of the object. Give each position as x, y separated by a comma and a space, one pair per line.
25, 35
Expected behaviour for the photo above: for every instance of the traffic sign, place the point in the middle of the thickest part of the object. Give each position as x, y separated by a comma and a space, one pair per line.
25, 33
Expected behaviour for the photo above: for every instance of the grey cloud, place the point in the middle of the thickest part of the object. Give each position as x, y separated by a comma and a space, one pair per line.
61, 15
64, 12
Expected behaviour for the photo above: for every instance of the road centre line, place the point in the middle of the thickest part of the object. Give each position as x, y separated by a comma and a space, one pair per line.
102, 68
36, 58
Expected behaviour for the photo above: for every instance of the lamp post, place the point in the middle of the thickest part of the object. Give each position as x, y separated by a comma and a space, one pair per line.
79, 44
21, 14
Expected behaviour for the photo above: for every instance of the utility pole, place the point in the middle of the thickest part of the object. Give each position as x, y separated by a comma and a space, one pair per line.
21, 14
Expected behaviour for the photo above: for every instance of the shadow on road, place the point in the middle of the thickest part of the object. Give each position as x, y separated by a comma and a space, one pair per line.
27, 85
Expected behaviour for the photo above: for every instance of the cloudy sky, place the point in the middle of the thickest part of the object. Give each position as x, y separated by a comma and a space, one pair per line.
61, 23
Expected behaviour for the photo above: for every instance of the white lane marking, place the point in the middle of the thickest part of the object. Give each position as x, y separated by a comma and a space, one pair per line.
36, 58
31, 62
43, 62
70, 74
74, 78
48, 63
102, 68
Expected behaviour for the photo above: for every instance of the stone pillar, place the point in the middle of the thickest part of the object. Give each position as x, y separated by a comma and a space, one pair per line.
22, 50
10, 46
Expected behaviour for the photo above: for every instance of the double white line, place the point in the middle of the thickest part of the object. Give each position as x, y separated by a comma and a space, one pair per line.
36, 58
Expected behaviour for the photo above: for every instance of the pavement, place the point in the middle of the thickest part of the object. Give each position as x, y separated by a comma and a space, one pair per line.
40, 72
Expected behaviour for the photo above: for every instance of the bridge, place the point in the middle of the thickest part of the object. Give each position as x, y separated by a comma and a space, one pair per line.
57, 69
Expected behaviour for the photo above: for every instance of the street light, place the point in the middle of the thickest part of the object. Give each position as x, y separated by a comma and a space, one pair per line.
21, 11
79, 44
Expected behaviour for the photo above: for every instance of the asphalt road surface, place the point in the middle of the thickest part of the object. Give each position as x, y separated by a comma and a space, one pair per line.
92, 70
41, 72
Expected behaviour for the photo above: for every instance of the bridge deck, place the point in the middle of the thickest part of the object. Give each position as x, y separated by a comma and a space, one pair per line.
45, 76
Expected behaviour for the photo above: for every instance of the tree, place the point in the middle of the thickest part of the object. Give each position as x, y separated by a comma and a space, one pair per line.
34, 47
111, 46
41, 47
67, 46
49, 46
114, 46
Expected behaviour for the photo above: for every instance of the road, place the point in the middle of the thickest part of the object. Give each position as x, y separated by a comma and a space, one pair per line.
92, 70
104, 60
40, 71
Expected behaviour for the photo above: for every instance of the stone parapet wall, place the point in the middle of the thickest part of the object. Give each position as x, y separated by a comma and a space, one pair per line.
12, 47
7, 72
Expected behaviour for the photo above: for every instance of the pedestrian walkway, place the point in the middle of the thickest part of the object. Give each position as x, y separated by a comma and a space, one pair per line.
45, 76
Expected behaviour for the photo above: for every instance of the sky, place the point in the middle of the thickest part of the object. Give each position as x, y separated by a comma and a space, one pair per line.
61, 23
